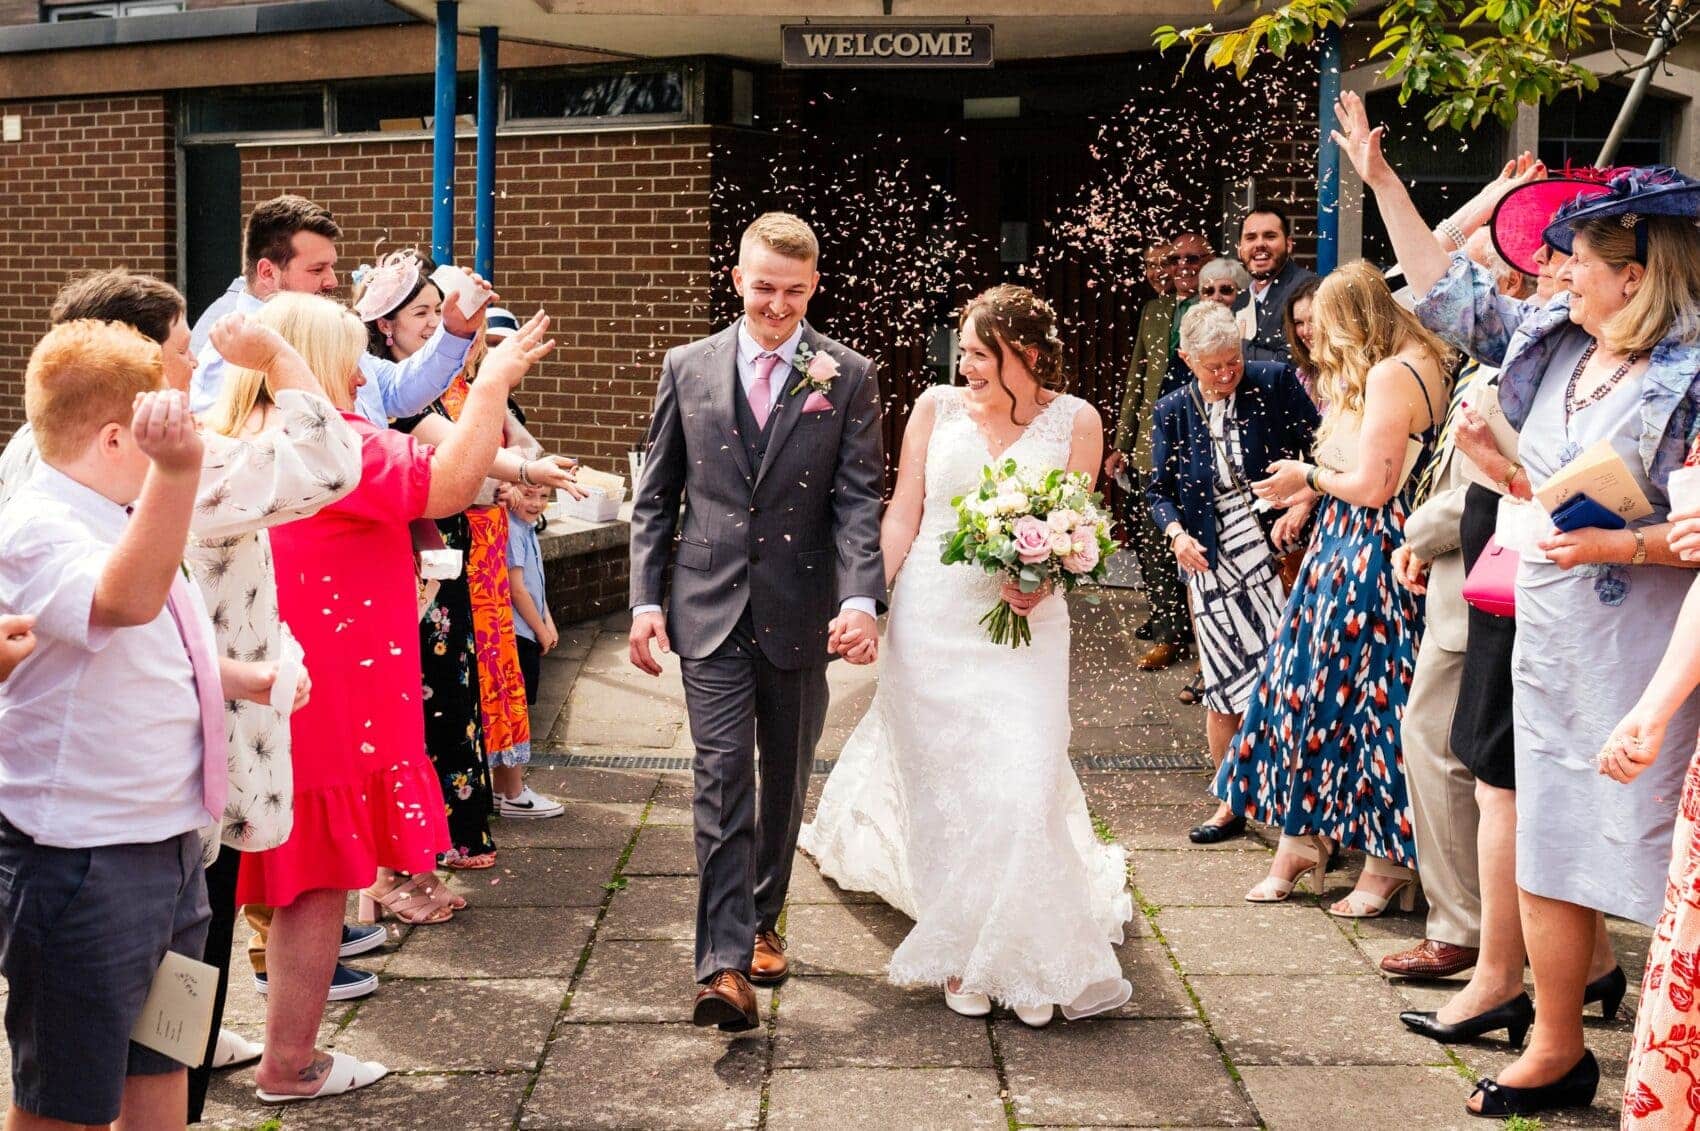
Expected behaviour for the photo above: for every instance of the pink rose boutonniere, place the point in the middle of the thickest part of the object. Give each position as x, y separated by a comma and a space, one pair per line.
818, 370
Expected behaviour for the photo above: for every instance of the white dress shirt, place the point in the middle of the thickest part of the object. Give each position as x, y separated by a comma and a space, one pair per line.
221, 306
782, 379
100, 729
392, 388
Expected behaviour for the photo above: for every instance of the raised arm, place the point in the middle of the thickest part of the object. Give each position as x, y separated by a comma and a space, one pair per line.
137, 576
902, 521
1421, 258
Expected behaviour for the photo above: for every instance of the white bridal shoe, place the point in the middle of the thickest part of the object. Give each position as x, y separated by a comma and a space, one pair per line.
969, 1005
1035, 1016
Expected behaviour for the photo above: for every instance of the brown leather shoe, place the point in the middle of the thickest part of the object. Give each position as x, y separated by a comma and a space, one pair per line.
1161, 656
728, 1002
1430, 959
769, 966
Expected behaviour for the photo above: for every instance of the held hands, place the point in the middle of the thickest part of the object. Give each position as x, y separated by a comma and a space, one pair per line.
647, 627
1633, 745
509, 362
464, 324
246, 343
17, 641
854, 635
548, 638
1361, 144
165, 431
1410, 570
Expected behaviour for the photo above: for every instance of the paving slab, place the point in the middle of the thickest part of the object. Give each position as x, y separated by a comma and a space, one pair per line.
670, 814
1352, 1098
1157, 988
1130, 1073
498, 942
388, 1026
809, 886
652, 907
665, 850
809, 1100
648, 980
585, 824
1251, 939
1165, 826
848, 939
1157, 787
581, 784
1182, 878
664, 1076
841, 1021
427, 1102
1326, 1019
540, 877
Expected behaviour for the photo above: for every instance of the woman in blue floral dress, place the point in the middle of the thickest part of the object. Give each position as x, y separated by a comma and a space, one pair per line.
1318, 753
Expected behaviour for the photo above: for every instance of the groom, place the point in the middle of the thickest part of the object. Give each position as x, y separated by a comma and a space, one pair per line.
770, 432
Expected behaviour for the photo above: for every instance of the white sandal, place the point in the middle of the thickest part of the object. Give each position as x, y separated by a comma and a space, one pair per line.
346, 1075
1274, 889
234, 1048
1363, 905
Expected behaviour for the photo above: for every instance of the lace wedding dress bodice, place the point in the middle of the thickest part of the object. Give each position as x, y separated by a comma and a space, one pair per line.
954, 799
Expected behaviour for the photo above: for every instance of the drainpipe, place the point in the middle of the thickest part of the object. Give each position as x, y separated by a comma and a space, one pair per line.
1328, 156
485, 210
443, 138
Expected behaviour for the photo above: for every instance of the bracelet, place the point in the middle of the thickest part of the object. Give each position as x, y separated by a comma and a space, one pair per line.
1511, 477
1451, 231
1640, 555
524, 478
1313, 479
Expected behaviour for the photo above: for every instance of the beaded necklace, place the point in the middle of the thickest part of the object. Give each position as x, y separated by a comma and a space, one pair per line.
1571, 405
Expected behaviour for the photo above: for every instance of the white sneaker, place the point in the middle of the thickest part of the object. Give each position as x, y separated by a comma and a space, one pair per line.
529, 804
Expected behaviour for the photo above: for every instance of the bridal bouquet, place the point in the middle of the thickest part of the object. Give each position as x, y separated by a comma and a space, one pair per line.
1031, 530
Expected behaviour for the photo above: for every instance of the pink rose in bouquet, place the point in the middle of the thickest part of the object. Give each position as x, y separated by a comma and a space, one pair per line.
1084, 557
1032, 539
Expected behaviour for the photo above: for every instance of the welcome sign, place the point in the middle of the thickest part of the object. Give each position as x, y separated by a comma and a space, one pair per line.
886, 45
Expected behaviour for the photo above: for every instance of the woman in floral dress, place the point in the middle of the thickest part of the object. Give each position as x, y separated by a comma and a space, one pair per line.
1318, 752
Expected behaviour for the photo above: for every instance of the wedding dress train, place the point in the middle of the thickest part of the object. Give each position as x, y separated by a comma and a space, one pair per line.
954, 799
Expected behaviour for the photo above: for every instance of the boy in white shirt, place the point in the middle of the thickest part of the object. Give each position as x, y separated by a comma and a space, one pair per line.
111, 732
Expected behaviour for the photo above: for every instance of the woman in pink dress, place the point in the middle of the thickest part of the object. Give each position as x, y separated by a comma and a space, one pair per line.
365, 793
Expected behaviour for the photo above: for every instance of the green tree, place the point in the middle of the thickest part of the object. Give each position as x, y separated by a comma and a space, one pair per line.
1468, 58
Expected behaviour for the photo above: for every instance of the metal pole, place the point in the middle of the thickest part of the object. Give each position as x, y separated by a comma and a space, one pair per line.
443, 139
1638, 89
485, 210
1328, 156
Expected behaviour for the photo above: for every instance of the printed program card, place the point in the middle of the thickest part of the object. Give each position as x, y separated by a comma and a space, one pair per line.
177, 1016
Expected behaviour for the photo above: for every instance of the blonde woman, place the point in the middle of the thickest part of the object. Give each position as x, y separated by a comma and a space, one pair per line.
1318, 751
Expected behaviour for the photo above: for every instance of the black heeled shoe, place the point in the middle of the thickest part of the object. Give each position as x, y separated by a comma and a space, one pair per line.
1216, 834
1514, 1016
1608, 990
1575, 1088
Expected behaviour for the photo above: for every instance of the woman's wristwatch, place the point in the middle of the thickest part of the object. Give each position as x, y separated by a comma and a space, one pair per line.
1639, 557
1511, 477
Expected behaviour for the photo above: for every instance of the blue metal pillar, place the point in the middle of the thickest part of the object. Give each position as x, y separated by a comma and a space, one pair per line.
1328, 157
443, 140
484, 211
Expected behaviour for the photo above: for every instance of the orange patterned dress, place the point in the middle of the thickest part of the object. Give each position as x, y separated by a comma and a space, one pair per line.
501, 686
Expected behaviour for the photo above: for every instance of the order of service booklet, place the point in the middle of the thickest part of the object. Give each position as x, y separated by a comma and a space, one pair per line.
1599, 473
177, 1016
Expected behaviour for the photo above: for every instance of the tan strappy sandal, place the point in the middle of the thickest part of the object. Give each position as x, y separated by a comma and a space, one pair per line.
1363, 905
1274, 889
401, 902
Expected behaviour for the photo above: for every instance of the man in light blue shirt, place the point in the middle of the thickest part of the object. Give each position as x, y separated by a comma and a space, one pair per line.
222, 305
290, 245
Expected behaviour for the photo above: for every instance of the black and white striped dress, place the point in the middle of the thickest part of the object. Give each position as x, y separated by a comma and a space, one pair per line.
1237, 606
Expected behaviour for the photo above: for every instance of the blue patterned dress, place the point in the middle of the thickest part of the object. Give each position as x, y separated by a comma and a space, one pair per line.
1318, 751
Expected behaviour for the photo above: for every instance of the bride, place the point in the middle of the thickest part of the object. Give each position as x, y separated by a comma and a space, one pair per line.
954, 799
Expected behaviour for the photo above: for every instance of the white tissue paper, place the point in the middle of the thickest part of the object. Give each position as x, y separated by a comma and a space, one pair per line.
1523, 526
291, 665
439, 565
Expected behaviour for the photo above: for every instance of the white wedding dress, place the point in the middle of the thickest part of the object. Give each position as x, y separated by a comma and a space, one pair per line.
954, 799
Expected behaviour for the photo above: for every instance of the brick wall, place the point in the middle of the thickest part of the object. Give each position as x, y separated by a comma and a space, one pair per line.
587, 585
609, 232
92, 184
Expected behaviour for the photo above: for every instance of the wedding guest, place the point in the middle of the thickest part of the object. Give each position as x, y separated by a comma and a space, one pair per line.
1169, 627
1613, 361
106, 811
1212, 438
289, 245
534, 626
1266, 249
1223, 280
1296, 324
1318, 753
364, 796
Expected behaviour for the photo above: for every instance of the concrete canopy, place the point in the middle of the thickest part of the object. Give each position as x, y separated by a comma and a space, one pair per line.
749, 29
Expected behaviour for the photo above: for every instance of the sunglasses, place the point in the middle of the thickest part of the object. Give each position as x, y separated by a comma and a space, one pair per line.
1227, 290
1189, 260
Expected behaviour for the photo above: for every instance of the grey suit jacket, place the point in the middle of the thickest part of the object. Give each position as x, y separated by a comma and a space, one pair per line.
1432, 532
1270, 344
792, 539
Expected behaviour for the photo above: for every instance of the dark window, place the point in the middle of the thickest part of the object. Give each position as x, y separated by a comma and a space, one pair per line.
274, 111
1443, 168
64, 13
598, 94
1575, 126
399, 104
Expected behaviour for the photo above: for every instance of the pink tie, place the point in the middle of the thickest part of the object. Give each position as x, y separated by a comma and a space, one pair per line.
761, 393
210, 688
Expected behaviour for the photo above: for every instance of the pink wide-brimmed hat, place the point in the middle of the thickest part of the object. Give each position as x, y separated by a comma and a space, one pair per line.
1522, 215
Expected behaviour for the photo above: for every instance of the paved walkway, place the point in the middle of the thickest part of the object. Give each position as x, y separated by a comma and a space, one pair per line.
562, 997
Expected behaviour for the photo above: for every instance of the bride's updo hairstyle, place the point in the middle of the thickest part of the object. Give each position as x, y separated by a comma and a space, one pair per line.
1008, 315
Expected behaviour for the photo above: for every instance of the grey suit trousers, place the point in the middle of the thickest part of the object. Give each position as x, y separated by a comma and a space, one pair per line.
746, 832
1443, 800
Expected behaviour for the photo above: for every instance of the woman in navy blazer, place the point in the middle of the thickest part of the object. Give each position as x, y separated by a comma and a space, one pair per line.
1212, 438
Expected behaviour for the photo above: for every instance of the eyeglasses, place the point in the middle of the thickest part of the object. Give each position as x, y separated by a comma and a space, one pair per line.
1226, 290
1189, 260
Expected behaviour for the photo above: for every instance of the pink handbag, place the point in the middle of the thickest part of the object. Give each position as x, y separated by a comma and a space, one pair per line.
1492, 583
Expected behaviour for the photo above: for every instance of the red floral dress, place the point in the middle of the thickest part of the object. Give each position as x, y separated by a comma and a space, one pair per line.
1662, 1086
